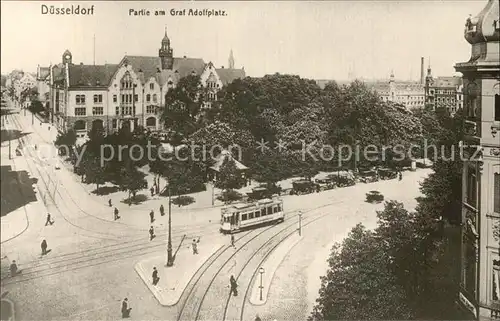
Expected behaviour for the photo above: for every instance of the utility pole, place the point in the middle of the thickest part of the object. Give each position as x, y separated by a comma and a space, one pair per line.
10, 148
170, 260
300, 223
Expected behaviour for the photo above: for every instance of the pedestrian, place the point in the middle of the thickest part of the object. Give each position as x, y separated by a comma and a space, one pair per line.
125, 309
13, 268
234, 286
40, 123
44, 247
152, 190
116, 214
155, 276
109, 202
400, 176
162, 210
232, 241
257, 318
152, 216
49, 220
49, 128
36, 147
195, 246
151, 233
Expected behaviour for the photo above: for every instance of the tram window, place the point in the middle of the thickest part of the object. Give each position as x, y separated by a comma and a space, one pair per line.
250, 215
269, 210
279, 207
243, 217
275, 209
257, 214
263, 212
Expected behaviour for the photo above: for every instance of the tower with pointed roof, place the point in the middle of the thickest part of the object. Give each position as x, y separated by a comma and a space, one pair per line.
166, 53
231, 60
480, 260
67, 57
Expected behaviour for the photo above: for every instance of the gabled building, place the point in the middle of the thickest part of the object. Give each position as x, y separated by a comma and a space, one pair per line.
443, 92
128, 94
407, 93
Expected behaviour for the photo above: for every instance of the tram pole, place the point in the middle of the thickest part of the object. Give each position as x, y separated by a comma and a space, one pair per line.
300, 223
170, 260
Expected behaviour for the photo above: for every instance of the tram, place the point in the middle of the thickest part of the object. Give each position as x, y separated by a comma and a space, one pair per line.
237, 217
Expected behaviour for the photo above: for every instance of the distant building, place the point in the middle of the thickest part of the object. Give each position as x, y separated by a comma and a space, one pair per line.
480, 259
407, 93
43, 85
129, 93
443, 92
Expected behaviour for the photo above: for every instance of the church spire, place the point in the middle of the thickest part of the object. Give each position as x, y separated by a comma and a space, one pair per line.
231, 60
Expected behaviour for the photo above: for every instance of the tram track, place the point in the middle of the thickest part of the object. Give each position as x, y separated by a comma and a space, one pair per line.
191, 309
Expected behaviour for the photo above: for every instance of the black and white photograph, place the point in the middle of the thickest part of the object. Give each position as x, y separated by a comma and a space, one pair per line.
250, 160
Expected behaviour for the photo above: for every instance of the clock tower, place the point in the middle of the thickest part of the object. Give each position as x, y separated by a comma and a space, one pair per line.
67, 57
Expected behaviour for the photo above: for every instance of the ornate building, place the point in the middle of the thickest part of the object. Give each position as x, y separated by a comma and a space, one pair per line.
129, 93
443, 92
480, 278
407, 93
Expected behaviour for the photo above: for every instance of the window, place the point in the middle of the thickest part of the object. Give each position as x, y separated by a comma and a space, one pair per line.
150, 109
152, 86
115, 123
279, 207
275, 209
257, 214
97, 99
471, 187
136, 98
97, 111
496, 193
122, 98
263, 212
250, 215
269, 210
80, 111
497, 107
115, 99
80, 99
155, 98
148, 97
117, 110
243, 217
496, 281
129, 98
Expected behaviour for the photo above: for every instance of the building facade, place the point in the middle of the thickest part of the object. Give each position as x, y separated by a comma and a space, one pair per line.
130, 93
443, 92
480, 278
407, 93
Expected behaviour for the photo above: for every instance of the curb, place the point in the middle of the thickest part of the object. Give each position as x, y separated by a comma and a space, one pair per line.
273, 267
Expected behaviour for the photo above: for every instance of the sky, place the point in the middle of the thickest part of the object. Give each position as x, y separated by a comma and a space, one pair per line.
318, 40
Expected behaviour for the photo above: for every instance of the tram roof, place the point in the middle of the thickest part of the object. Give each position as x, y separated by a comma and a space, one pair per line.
253, 204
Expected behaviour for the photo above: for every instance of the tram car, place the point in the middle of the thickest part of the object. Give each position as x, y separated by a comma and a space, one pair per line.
242, 216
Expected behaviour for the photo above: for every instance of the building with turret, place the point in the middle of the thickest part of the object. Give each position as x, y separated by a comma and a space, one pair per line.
480, 259
407, 93
129, 93
443, 92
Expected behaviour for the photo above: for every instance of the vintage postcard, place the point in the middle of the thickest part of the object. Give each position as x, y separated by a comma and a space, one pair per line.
250, 160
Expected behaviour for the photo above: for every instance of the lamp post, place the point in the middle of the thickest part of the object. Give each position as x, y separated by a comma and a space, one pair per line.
213, 192
300, 223
170, 260
261, 271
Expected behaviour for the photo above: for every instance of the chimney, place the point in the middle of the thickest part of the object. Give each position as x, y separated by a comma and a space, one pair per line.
422, 77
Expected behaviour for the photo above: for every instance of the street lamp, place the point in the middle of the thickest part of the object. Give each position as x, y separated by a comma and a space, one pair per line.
261, 271
300, 223
213, 187
170, 260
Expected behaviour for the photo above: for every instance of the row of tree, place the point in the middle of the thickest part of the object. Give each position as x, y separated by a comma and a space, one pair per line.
396, 271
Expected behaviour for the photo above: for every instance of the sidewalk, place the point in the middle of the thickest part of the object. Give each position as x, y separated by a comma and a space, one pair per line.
173, 280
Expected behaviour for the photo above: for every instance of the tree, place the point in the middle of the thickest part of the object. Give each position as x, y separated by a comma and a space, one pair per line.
67, 139
359, 283
94, 172
229, 176
133, 179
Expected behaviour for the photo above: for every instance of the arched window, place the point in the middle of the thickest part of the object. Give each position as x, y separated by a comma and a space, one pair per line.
151, 122
148, 97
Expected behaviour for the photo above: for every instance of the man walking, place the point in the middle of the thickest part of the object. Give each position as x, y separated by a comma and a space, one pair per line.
48, 221
116, 214
13, 268
44, 247
400, 176
151, 233
195, 246
152, 190
234, 286
155, 276
162, 210
232, 241
125, 309
152, 216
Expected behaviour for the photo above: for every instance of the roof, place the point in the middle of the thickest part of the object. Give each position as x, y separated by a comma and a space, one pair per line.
447, 81
150, 66
227, 76
220, 160
91, 75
